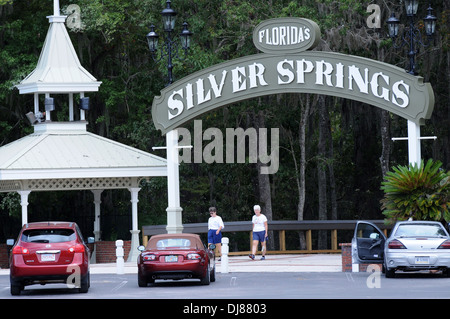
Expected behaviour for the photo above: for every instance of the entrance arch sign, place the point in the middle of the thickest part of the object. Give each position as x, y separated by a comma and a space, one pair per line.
285, 67
352, 77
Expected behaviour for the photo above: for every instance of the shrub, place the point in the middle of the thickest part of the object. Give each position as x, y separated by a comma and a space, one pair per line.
419, 192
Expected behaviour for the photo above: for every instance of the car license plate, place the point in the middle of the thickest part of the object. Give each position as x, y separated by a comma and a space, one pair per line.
420, 260
171, 259
48, 257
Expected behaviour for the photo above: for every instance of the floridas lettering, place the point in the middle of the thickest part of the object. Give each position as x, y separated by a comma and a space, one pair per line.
288, 35
284, 35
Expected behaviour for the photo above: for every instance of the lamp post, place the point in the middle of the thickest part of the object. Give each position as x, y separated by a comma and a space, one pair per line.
412, 35
170, 50
170, 47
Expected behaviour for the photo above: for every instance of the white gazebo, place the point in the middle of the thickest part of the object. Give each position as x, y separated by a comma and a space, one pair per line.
64, 155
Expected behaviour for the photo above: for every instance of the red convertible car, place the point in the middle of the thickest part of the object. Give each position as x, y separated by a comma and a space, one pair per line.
176, 256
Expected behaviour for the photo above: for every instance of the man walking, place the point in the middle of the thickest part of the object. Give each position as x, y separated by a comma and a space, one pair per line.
260, 230
215, 226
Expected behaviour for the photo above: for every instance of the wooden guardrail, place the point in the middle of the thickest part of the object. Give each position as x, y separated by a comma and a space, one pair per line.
276, 225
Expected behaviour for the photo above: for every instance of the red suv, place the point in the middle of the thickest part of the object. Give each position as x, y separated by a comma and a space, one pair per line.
50, 252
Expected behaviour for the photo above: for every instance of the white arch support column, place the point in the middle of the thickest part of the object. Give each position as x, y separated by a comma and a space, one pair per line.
133, 255
24, 204
174, 220
97, 232
414, 139
414, 150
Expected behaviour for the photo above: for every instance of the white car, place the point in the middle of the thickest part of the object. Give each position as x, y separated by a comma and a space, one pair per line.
412, 246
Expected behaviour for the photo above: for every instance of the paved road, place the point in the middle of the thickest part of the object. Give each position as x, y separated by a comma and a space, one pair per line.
239, 286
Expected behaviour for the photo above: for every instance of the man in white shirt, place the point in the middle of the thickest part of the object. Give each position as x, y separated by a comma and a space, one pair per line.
260, 229
215, 226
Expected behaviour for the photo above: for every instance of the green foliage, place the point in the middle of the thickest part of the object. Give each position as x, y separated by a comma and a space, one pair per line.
112, 47
420, 192
10, 202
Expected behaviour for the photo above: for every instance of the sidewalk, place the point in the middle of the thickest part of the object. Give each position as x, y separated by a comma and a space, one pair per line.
273, 263
286, 263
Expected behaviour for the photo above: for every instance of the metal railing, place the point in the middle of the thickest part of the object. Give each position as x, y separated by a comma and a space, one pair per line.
280, 226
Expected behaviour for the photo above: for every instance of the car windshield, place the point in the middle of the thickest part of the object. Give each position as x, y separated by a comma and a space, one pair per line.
48, 235
420, 230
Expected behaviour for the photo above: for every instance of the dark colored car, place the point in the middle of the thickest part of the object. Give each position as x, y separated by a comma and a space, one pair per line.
176, 256
49, 252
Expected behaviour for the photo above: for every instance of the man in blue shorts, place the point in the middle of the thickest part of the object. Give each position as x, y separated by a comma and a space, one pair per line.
260, 229
215, 226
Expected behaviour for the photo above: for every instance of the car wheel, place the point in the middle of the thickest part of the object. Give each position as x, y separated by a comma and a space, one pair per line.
85, 283
206, 280
390, 272
16, 289
446, 272
142, 281
212, 276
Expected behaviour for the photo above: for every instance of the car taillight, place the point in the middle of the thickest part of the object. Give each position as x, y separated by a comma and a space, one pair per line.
445, 245
19, 250
396, 244
78, 248
193, 256
149, 257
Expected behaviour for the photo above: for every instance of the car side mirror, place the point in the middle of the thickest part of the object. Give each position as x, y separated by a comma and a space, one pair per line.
212, 246
10, 242
90, 240
141, 248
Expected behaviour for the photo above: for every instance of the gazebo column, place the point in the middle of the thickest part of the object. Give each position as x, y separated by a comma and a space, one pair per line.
71, 115
24, 204
97, 232
48, 117
82, 112
133, 255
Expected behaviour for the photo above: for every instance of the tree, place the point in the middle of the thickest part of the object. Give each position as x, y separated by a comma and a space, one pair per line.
356, 143
419, 192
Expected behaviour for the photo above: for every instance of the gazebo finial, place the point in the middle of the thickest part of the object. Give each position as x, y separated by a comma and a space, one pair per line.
56, 11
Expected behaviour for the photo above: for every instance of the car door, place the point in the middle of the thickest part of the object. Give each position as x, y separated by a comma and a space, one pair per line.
368, 243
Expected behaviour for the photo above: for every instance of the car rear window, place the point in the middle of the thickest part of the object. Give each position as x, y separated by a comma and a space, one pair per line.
173, 243
420, 230
48, 235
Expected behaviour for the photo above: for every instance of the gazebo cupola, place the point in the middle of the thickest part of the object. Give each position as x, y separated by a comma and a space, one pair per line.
58, 71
